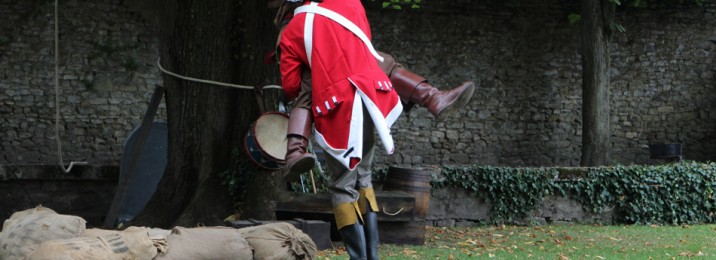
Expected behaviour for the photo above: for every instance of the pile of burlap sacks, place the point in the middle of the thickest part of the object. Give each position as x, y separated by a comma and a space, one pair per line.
42, 234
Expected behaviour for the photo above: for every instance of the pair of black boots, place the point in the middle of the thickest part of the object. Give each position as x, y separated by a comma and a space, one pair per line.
361, 240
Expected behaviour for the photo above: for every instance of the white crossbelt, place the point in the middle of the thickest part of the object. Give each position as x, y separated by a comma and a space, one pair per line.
312, 9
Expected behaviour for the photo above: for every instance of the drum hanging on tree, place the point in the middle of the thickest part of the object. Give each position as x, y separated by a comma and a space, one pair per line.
265, 142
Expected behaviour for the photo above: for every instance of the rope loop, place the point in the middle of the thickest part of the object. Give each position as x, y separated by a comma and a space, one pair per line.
57, 101
392, 214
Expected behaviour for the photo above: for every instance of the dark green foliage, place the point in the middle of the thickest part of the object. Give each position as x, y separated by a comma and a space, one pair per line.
316, 179
513, 192
237, 176
399, 4
680, 193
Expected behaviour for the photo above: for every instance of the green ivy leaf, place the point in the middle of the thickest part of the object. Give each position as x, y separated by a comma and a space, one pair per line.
680, 193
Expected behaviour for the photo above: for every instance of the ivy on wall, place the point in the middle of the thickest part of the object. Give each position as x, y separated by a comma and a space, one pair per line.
513, 192
679, 193
673, 194
399, 4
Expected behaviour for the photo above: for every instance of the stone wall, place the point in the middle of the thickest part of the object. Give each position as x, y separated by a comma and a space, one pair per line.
107, 73
450, 207
524, 55
527, 110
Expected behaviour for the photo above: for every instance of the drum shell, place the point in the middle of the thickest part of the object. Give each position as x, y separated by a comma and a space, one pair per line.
254, 150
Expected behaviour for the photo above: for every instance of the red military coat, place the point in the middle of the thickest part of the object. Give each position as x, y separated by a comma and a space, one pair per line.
345, 74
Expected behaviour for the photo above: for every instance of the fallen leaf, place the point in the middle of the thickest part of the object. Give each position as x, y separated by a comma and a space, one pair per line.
408, 252
468, 242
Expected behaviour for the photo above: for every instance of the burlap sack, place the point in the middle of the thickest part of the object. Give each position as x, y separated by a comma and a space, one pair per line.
279, 240
132, 243
20, 215
153, 232
206, 243
96, 232
24, 231
157, 235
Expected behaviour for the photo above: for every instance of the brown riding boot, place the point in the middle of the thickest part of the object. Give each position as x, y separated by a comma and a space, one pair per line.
414, 89
298, 159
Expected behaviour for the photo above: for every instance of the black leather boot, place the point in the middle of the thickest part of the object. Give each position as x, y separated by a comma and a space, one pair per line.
371, 234
354, 239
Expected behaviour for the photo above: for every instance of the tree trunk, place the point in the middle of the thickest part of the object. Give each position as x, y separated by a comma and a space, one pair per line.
259, 197
212, 41
597, 15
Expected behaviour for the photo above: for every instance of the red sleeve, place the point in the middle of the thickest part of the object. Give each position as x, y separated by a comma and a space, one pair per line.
290, 69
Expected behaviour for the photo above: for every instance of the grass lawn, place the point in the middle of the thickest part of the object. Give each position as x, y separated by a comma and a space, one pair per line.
555, 242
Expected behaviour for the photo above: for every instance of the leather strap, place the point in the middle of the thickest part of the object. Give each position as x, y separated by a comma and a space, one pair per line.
313, 8
308, 32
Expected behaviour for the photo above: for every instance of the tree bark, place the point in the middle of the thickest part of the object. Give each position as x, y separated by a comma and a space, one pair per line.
221, 41
597, 16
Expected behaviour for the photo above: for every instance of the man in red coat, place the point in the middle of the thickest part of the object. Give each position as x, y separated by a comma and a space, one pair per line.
328, 62
351, 100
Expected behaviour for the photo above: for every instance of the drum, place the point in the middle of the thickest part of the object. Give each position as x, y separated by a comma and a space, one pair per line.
265, 142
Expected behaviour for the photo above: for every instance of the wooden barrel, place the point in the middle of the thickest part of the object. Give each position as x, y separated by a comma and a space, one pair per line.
414, 181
